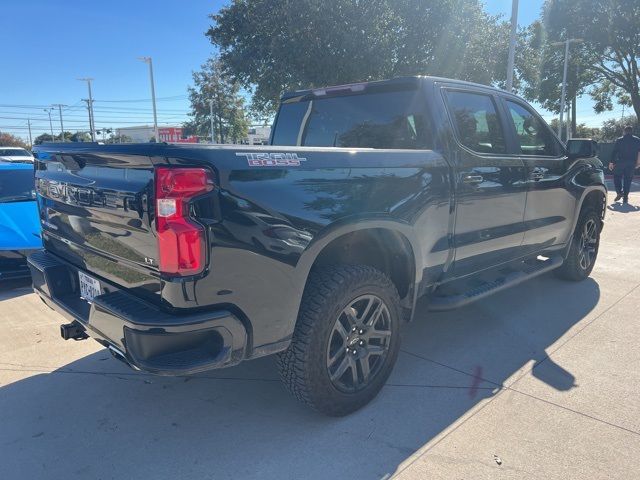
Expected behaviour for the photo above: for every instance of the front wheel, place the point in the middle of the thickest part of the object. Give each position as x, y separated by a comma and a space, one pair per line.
583, 250
346, 340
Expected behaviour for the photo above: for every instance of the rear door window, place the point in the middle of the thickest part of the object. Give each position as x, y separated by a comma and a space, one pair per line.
394, 120
476, 122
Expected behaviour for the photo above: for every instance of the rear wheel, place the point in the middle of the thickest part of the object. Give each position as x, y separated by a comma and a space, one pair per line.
583, 250
346, 339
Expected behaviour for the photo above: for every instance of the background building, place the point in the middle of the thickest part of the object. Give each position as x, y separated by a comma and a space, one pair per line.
138, 134
175, 135
257, 136
144, 133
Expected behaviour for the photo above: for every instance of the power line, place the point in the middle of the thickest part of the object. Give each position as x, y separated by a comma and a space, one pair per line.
139, 100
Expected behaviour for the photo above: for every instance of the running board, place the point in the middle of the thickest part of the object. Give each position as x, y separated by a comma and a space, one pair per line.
525, 271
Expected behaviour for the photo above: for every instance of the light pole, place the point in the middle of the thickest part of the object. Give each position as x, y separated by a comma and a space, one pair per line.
92, 126
48, 110
60, 105
566, 44
211, 118
148, 61
512, 44
30, 140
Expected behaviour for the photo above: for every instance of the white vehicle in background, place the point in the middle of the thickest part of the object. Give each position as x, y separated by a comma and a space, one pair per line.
15, 154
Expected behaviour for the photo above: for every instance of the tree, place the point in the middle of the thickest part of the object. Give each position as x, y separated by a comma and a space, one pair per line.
540, 68
68, 137
277, 45
44, 138
612, 128
581, 130
213, 91
80, 137
607, 58
8, 140
119, 139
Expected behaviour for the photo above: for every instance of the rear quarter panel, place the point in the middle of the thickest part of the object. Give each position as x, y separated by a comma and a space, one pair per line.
274, 220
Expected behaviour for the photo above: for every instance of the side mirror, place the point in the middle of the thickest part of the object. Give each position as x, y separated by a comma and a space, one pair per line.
582, 147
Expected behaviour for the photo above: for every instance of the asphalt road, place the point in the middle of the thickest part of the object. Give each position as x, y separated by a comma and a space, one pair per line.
540, 381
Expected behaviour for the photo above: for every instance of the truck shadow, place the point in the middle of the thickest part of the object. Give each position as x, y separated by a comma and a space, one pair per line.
95, 418
15, 288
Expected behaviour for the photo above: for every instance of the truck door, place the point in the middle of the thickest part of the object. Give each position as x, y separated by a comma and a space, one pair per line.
550, 205
490, 183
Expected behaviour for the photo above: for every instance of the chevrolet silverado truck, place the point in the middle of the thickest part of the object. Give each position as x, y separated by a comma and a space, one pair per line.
183, 258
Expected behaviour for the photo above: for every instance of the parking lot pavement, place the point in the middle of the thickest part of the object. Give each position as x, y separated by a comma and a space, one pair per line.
540, 381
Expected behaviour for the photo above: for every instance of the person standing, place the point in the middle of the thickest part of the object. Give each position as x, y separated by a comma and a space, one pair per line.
624, 160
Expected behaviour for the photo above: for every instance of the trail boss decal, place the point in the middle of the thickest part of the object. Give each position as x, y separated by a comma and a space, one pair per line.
272, 159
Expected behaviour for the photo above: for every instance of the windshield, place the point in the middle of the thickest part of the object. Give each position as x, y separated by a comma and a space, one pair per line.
14, 152
16, 185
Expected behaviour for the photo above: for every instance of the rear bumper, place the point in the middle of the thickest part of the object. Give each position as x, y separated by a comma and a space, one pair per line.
141, 334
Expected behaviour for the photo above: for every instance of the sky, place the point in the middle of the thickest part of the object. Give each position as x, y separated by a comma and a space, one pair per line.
49, 44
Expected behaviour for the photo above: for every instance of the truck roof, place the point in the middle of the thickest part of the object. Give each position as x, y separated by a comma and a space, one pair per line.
406, 81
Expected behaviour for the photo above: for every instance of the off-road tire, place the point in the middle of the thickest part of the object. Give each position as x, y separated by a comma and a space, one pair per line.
571, 269
303, 366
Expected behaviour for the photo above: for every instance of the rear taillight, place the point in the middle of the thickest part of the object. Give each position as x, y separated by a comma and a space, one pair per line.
181, 241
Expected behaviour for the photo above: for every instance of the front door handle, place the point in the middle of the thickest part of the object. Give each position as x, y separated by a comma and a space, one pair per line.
536, 175
472, 179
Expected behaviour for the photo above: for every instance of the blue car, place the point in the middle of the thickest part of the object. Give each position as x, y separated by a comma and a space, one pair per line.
19, 221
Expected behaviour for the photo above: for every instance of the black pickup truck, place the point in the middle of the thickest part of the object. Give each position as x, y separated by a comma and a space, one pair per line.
180, 259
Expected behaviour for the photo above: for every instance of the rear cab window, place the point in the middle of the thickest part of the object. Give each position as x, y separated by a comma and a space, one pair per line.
383, 120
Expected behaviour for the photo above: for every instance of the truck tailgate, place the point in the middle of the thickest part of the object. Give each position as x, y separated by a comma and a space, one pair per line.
96, 213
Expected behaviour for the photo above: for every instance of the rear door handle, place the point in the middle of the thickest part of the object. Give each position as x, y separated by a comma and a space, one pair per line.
535, 175
472, 179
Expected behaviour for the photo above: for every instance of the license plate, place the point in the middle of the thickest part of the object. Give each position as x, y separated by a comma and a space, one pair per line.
89, 287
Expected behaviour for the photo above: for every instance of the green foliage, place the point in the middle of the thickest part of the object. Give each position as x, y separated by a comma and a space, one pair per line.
8, 140
119, 139
273, 46
607, 60
44, 138
582, 131
612, 128
541, 69
80, 137
68, 137
213, 91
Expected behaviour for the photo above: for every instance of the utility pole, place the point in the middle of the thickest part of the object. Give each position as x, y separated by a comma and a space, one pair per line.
211, 118
566, 44
92, 126
148, 61
60, 105
91, 130
48, 110
512, 44
30, 139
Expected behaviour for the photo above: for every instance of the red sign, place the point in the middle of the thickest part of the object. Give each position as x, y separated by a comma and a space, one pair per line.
174, 135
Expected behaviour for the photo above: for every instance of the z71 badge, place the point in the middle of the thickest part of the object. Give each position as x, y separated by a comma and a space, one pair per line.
272, 159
